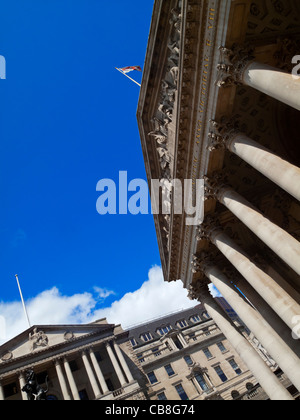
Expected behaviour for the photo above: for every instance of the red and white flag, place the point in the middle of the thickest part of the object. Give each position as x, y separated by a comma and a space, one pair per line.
130, 68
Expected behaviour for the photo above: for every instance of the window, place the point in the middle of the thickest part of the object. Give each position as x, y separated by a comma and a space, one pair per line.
221, 374
182, 323
146, 337
178, 344
73, 366
152, 378
98, 356
109, 384
181, 392
156, 352
188, 360
10, 390
235, 395
140, 357
169, 370
164, 330
51, 397
83, 395
161, 396
205, 315
235, 367
195, 318
207, 353
133, 342
201, 381
206, 331
221, 347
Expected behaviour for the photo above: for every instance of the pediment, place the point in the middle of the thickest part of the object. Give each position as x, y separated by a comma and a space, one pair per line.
44, 338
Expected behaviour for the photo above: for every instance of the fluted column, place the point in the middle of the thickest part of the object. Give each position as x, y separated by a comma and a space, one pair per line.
269, 382
278, 170
279, 300
123, 362
270, 340
62, 381
22, 383
71, 380
115, 364
277, 239
98, 372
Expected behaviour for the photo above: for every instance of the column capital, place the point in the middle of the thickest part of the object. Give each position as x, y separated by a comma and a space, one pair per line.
215, 185
233, 63
210, 227
222, 133
199, 291
201, 261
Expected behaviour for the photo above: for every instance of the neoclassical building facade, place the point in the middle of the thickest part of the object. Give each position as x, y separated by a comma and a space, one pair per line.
185, 356
219, 102
74, 362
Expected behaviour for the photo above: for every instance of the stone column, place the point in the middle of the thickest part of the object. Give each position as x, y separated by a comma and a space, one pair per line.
277, 239
71, 380
1, 393
267, 313
279, 300
271, 341
278, 170
273, 82
269, 382
98, 372
123, 362
239, 67
116, 365
22, 384
91, 375
62, 381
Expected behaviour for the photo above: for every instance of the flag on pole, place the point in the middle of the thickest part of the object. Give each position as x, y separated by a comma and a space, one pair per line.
125, 70
130, 68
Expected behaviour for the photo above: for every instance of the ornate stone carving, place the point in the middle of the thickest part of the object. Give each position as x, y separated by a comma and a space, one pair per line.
221, 133
287, 49
7, 356
69, 335
205, 230
165, 109
37, 339
200, 262
233, 64
198, 290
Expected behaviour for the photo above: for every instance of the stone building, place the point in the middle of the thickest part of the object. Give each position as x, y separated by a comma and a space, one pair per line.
219, 103
76, 362
186, 356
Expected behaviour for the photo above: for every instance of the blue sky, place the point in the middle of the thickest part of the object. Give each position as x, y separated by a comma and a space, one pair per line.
67, 120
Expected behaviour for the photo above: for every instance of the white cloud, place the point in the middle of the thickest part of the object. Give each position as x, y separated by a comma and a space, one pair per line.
154, 298
103, 293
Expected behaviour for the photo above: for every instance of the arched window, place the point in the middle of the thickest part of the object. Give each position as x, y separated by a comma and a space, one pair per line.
52, 397
235, 395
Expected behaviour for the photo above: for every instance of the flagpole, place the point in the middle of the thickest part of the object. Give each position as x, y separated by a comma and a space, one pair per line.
22, 299
128, 77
